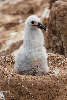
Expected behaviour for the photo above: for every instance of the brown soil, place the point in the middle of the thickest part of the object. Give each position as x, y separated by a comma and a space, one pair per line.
52, 86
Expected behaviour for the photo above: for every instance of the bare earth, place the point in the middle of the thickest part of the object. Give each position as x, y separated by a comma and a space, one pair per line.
52, 86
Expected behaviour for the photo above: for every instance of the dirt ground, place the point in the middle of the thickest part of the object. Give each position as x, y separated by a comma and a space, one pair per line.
52, 86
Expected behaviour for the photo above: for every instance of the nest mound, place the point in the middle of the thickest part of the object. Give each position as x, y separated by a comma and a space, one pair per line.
52, 86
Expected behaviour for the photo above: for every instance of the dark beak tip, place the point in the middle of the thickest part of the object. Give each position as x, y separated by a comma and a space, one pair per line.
44, 28
41, 26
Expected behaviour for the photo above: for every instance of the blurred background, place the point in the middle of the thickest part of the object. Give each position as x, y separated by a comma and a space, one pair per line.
53, 14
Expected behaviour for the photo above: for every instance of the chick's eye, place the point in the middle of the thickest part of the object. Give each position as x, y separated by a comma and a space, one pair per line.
32, 22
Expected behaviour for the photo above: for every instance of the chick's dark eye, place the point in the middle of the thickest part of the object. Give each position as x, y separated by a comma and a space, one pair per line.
32, 22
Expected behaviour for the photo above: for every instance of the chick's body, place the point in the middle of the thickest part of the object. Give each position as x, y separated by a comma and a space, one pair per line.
31, 58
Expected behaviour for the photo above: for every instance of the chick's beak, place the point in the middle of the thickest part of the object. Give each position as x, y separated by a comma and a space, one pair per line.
41, 26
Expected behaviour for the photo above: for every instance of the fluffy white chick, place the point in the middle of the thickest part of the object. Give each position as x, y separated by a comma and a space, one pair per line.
31, 58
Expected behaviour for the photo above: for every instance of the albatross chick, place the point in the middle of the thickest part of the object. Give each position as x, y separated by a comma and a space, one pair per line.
31, 58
